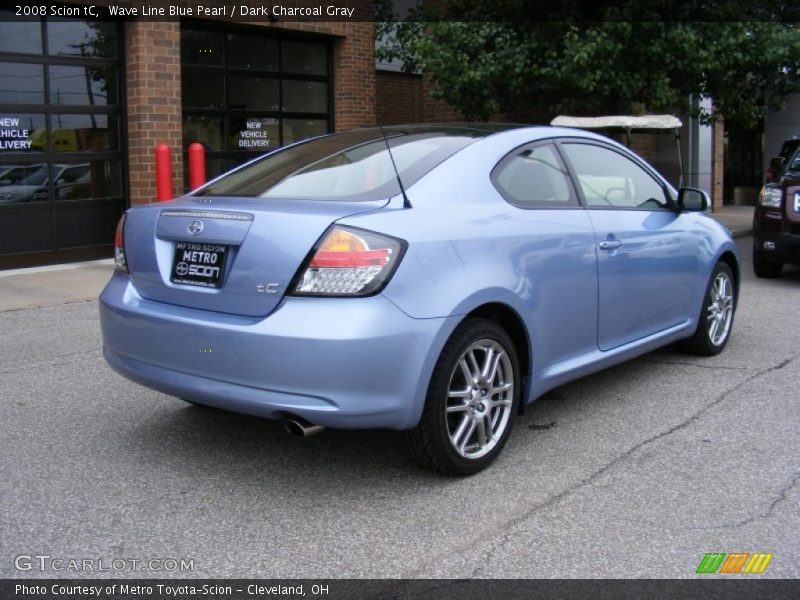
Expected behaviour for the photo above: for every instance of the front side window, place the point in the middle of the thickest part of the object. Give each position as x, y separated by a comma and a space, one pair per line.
535, 178
610, 180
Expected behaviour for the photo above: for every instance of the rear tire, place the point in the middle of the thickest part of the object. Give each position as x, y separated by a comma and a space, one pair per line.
766, 269
716, 316
471, 403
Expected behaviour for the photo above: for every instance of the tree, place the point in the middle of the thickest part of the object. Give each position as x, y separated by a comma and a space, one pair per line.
612, 57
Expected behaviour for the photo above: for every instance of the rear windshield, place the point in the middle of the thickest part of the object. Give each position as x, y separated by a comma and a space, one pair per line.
347, 166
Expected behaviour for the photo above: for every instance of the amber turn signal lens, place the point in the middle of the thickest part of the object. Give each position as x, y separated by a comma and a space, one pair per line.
341, 240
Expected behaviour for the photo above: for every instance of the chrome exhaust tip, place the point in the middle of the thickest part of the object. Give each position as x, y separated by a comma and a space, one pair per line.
301, 428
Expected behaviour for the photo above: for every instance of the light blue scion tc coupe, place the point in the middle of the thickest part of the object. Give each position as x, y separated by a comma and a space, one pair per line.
430, 279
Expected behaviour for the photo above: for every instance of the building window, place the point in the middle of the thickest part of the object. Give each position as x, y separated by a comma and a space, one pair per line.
246, 93
61, 149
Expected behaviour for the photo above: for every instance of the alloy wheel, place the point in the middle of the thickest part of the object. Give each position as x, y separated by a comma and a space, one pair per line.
479, 398
720, 309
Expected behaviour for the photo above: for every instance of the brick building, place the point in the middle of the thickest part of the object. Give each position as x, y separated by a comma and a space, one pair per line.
84, 102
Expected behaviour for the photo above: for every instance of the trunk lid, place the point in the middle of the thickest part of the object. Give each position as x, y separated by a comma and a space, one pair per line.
265, 242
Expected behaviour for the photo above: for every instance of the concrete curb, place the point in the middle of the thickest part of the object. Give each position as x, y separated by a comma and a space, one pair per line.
108, 262
39, 287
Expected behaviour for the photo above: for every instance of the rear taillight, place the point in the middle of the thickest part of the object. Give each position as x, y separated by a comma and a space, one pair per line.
120, 264
349, 262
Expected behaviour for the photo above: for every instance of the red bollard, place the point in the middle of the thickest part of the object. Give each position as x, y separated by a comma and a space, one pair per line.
197, 165
163, 173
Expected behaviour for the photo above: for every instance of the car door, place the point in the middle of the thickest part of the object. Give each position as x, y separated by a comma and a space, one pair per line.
555, 258
647, 267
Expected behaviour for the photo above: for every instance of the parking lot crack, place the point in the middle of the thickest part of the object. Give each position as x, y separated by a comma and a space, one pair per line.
697, 365
508, 527
780, 497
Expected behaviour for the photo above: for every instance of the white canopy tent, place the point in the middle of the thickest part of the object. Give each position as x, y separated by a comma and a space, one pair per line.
627, 123
621, 121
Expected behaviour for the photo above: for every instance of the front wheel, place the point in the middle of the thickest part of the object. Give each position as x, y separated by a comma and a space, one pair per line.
716, 317
472, 399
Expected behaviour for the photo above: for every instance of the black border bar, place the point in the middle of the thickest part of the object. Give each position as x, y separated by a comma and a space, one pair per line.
711, 588
321, 11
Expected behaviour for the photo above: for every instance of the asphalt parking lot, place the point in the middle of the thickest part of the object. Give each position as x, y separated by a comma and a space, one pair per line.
637, 471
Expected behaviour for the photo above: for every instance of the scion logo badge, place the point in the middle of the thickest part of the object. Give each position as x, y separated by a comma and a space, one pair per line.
196, 227
181, 269
735, 562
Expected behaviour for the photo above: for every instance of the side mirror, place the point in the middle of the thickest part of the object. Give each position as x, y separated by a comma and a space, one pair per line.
693, 200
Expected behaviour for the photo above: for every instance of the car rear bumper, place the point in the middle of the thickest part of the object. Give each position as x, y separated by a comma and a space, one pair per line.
342, 363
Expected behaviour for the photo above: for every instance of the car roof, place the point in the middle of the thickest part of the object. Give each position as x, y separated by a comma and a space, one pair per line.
456, 127
483, 130
513, 133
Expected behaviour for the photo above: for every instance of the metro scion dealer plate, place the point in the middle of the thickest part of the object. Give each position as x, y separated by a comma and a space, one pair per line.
198, 264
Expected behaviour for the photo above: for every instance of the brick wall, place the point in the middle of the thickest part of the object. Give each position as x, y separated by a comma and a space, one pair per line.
399, 98
153, 81
405, 98
354, 93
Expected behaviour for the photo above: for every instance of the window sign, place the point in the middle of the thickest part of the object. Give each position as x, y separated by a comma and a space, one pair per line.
15, 134
256, 134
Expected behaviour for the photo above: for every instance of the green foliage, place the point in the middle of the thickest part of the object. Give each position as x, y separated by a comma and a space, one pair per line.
614, 58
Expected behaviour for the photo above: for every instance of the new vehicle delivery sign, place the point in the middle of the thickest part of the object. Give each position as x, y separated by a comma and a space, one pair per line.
255, 134
13, 136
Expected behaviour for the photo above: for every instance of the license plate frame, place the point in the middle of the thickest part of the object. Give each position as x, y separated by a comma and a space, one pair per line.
199, 264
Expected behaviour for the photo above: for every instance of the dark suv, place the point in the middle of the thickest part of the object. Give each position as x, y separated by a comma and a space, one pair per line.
776, 220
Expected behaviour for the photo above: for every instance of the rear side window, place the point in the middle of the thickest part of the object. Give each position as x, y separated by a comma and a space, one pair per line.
350, 166
535, 178
610, 180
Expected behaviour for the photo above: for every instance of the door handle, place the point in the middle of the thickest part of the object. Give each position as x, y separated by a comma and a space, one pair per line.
610, 245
